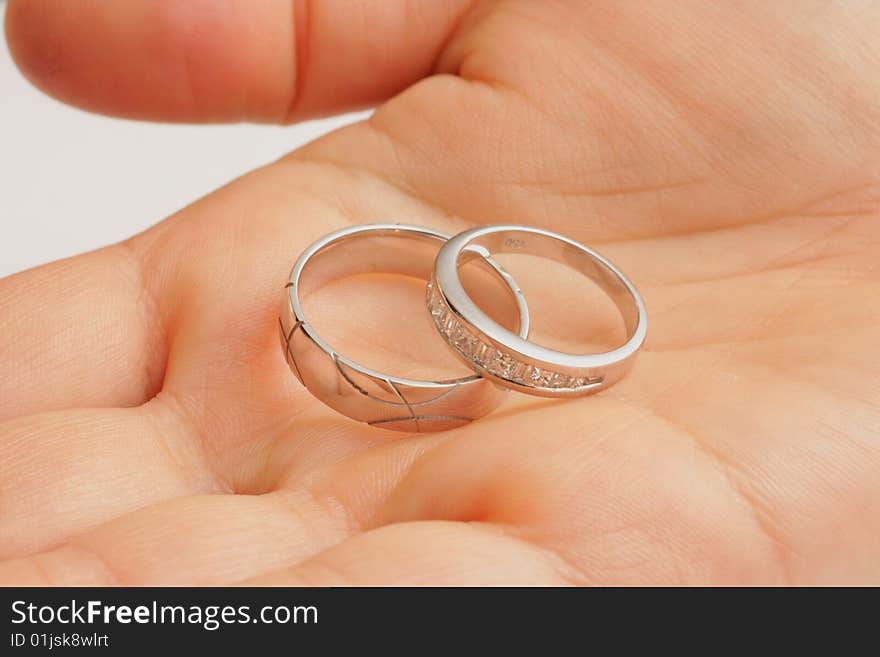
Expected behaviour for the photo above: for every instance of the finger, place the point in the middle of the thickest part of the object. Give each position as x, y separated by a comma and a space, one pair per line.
427, 554
226, 61
221, 540
199, 540
78, 332
64, 472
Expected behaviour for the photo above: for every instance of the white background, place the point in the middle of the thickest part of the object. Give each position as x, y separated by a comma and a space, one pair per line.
72, 181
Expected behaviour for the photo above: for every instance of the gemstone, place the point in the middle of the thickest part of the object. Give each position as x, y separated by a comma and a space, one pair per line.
539, 378
492, 359
459, 336
545, 379
468, 345
502, 365
507, 366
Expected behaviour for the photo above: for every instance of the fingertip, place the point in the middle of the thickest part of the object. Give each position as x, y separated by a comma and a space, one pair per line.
58, 49
198, 60
35, 61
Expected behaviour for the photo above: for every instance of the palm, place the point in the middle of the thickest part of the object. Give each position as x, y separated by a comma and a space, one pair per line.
166, 443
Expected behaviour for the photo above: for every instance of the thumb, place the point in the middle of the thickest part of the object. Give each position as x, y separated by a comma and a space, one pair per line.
227, 60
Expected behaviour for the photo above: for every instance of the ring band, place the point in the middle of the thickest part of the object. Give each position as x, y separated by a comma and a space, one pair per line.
510, 360
360, 392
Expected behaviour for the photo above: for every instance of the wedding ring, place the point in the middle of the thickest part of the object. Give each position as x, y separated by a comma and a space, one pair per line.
509, 359
360, 392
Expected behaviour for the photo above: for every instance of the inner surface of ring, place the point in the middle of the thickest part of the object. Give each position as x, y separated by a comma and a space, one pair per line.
394, 252
386, 252
536, 244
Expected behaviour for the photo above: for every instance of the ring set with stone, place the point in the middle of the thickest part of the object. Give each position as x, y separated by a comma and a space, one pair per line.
500, 358
483, 357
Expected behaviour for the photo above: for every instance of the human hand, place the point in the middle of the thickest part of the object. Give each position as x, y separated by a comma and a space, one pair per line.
725, 155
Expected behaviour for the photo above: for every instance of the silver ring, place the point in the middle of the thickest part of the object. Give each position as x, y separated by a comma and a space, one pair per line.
360, 392
510, 360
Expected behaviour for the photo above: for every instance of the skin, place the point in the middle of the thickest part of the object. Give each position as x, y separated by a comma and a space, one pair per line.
725, 155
